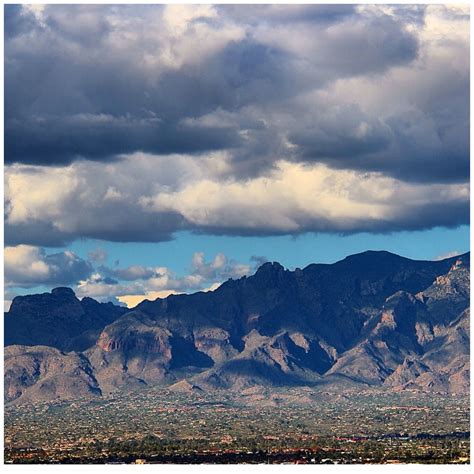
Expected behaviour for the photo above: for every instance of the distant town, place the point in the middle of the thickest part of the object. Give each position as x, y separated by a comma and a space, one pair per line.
159, 426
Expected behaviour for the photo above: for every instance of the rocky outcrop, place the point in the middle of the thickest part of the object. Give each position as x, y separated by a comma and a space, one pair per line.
44, 373
265, 360
134, 351
58, 319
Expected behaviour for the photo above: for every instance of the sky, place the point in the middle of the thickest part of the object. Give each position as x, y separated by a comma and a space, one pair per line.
159, 149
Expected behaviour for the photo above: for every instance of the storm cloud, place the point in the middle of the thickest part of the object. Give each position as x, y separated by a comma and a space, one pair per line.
97, 82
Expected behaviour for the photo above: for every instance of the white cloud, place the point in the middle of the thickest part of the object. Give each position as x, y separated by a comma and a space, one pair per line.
27, 266
297, 198
34, 192
453, 253
178, 17
219, 266
186, 28
183, 192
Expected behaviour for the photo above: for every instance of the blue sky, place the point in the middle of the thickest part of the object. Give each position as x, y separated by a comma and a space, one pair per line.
291, 252
166, 148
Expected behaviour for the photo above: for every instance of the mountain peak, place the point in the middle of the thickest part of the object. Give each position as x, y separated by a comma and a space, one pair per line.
374, 255
270, 267
63, 291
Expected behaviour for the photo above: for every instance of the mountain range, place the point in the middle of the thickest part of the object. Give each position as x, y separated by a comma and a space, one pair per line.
374, 320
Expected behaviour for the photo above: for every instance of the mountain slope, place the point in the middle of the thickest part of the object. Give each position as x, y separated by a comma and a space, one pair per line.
44, 373
58, 319
374, 319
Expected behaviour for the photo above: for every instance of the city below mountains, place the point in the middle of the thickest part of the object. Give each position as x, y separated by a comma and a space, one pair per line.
373, 321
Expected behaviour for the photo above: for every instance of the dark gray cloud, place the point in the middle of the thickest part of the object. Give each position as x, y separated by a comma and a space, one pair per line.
105, 137
364, 46
98, 82
288, 13
411, 145
35, 232
449, 215
330, 135
18, 21
112, 222
130, 273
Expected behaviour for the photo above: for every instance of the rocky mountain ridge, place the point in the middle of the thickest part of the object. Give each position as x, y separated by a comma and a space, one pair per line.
371, 320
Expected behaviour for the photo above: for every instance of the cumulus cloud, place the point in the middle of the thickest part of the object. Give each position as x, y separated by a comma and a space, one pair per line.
411, 123
184, 194
220, 267
51, 206
128, 92
132, 272
132, 284
27, 266
297, 198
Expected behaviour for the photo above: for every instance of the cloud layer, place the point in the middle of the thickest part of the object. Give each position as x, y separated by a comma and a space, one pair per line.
139, 199
373, 88
130, 123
